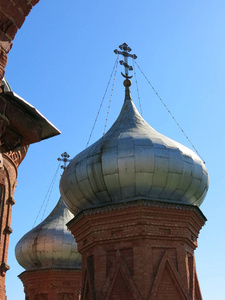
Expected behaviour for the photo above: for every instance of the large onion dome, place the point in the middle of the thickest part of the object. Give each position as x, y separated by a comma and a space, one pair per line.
50, 244
133, 161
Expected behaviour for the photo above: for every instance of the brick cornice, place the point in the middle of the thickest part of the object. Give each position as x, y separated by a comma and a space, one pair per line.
140, 202
49, 271
140, 219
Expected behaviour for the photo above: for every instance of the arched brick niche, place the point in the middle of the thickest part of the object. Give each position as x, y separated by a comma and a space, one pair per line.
12, 17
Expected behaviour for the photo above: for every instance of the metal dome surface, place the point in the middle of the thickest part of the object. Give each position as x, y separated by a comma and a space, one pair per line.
133, 161
50, 244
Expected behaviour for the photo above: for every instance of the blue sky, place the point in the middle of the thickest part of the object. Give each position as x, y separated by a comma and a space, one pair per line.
61, 61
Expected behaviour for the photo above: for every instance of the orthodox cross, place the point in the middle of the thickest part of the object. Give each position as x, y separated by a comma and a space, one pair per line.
65, 159
125, 52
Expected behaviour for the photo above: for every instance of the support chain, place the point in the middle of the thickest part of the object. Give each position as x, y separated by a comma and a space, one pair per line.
135, 76
110, 100
166, 107
47, 196
115, 66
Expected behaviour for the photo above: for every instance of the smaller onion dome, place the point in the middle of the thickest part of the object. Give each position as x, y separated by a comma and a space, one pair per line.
50, 244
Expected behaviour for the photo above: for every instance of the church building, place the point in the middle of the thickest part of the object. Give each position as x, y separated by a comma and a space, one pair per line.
134, 196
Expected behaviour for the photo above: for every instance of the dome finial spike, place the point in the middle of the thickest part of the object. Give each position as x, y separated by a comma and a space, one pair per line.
127, 83
125, 52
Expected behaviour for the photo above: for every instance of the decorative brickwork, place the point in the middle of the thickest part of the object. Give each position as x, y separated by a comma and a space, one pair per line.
139, 250
12, 17
52, 284
8, 174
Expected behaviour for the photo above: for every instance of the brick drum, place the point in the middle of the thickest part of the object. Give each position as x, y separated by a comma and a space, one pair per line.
52, 284
141, 250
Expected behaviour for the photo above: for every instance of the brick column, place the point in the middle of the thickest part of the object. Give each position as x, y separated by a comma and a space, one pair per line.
139, 250
8, 173
52, 284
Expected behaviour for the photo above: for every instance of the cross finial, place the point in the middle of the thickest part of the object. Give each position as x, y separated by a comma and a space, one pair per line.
65, 159
125, 52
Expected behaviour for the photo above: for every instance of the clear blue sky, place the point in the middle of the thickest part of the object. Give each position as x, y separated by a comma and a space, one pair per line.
61, 61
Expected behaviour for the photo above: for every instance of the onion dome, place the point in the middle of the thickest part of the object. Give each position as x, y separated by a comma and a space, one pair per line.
50, 244
133, 161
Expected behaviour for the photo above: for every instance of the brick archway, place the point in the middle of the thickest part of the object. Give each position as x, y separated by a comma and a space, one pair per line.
12, 17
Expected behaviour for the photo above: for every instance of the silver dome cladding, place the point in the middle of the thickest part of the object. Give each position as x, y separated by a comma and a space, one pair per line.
133, 161
50, 244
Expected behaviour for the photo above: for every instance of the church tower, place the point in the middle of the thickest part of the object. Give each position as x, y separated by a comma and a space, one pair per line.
135, 194
49, 255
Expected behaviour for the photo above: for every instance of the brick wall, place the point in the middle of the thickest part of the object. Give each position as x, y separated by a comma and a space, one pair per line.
12, 17
139, 251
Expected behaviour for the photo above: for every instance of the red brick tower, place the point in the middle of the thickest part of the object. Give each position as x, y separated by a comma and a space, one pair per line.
135, 195
49, 254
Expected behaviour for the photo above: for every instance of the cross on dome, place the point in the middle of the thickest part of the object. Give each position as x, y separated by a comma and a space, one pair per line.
125, 52
64, 159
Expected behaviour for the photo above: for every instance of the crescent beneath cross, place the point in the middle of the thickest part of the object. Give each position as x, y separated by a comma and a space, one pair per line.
126, 76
